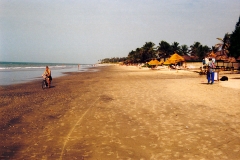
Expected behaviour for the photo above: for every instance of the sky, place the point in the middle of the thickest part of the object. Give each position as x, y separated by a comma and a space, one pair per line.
80, 31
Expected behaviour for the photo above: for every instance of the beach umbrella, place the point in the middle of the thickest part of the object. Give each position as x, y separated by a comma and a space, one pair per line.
153, 62
167, 62
175, 58
161, 62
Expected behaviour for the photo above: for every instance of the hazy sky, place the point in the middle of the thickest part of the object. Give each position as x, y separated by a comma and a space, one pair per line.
85, 31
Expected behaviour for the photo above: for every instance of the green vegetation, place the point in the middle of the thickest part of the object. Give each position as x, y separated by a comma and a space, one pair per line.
228, 46
234, 49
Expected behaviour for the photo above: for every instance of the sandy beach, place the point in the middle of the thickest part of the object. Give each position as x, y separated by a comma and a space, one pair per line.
122, 113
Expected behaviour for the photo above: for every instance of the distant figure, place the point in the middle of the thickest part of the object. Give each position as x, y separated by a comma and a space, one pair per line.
177, 67
213, 60
78, 66
210, 71
47, 73
206, 60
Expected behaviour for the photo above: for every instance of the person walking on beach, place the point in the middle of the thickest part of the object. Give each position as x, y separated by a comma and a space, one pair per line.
47, 73
210, 71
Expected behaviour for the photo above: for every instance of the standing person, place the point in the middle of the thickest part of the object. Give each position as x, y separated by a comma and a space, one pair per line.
47, 73
210, 71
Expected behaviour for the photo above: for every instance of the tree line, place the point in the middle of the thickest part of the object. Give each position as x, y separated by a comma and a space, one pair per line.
228, 45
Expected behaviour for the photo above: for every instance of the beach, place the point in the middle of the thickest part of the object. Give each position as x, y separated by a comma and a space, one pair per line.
122, 112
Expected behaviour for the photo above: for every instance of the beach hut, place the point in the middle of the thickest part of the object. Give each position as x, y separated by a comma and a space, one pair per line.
238, 59
212, 55
221, 58
232, 60
187, 58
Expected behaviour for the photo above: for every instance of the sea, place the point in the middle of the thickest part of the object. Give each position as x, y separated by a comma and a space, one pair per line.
21, 72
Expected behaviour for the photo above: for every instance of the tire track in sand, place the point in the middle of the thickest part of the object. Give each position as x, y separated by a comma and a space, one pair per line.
73, 128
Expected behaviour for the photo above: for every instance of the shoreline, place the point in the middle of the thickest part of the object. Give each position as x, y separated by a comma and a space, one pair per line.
17, 76
120, 112
38, 80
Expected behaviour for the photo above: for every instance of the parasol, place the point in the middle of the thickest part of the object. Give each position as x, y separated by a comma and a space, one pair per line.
153, 62
175, 58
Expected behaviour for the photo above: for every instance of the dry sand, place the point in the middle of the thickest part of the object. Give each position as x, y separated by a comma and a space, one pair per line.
122, 113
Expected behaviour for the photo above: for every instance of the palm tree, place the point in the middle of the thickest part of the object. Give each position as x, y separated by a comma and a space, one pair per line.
234, 49
148, 51
131, 56
183, 50
214, 49
175, 47
224, 44
203, 51
139, 52
142, 54
164, 49
194, 49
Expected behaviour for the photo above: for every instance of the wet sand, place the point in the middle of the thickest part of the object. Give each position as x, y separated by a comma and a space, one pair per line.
122, 113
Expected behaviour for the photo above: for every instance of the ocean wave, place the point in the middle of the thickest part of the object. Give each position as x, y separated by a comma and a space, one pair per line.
34, 67
25, 66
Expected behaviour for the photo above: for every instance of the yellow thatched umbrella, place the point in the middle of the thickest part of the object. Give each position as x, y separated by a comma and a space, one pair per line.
167, 62
153, 62
175, 58
161, 62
